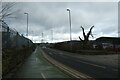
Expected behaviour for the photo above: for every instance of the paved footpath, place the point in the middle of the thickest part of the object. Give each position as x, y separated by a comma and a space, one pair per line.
37, 67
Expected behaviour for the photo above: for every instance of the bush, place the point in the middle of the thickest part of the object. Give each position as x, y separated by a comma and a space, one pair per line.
13, 57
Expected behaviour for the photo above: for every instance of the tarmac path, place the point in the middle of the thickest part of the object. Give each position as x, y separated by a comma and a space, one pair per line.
37, 67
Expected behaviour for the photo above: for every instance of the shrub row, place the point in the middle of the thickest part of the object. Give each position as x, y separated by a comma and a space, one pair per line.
13, 57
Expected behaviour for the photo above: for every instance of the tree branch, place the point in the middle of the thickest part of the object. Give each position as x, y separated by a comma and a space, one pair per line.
80, 38
83, 32
6, 10
88, 34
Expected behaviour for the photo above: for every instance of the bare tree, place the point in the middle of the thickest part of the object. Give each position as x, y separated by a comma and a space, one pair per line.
86, 37
6, 10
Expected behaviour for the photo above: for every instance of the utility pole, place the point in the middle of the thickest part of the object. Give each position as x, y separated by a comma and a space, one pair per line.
70, 29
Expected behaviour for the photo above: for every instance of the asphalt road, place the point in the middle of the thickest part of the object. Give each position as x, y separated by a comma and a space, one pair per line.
95, 70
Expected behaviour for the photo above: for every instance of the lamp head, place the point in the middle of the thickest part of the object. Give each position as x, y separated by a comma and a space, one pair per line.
25, 13
68, 9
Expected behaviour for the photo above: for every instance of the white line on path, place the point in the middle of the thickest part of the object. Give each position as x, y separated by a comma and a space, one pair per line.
36, 59
93, 64
115, 69
43, 76
51, 53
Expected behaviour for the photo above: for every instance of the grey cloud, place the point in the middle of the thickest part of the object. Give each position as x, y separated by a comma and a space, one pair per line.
45, 16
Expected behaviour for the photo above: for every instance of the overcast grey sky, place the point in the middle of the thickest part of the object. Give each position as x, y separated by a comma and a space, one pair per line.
47, 16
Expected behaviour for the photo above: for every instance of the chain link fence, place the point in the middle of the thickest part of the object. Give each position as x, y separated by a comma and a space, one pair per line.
15, 48
12, 39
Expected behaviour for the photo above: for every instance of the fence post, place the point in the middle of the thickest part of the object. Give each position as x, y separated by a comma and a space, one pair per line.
8, 37
17, 41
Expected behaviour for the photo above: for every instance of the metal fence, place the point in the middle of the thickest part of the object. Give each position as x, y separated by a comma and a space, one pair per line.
12, 39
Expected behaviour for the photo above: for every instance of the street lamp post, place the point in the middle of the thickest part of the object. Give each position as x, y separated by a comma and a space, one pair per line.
27, 23
70, 23
70, 28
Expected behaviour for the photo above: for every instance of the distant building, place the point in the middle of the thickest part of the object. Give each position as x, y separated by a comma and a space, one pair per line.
112, 43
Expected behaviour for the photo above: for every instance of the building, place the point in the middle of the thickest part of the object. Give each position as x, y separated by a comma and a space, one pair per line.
112, 43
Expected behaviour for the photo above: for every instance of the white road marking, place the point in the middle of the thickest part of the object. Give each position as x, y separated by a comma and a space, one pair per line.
60, 53
43, 76
86, 62
93, 64
50, 53
115, 69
